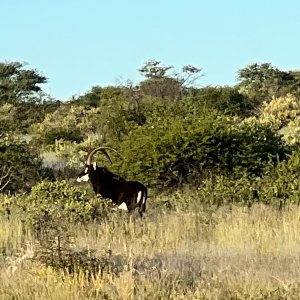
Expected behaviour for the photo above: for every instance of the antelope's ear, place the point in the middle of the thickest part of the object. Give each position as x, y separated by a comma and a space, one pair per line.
94, 165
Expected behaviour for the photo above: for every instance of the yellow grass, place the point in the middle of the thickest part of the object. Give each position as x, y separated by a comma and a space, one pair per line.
228, 254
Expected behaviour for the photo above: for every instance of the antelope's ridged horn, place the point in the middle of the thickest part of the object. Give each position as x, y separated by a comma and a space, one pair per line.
102, 149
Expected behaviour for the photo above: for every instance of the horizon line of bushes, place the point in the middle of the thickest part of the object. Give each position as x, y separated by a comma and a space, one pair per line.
170, 132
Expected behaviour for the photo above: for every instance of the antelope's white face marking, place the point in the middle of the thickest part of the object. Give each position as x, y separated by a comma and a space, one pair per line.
94, 165
85, 178
139, 196
123, 206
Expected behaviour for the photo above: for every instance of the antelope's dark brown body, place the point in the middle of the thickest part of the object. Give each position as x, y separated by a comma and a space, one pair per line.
124, 193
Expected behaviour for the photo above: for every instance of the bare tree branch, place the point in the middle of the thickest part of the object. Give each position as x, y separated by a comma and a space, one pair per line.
5, 178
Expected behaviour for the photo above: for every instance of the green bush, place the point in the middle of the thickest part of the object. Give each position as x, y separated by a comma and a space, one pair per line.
50, 136
20, 165
223, 190
176, 150
278, 185
227, 100
162, 88
57, 202
281, 184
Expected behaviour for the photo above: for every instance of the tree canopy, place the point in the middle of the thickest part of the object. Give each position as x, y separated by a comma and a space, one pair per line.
169, 130
263, 81
18, 84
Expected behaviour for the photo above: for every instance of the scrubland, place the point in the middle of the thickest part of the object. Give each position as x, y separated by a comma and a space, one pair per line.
221, 164
231, 252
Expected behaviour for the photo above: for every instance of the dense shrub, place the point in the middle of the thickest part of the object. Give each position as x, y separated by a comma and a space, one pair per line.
8, 117
281, 184
280, 111
21, 167
97, 95
262, 82
291, 133
278, 185
221, 190
59, 201
30, 113
227, 100
162, 88
173, 151
62, 123
54, 134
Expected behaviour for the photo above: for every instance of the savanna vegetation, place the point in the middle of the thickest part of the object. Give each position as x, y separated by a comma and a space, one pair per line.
222, 165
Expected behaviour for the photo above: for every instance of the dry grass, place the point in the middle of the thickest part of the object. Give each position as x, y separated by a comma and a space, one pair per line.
13, 235
227, 254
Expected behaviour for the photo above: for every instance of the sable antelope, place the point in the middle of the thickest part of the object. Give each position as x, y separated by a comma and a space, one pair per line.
128, 195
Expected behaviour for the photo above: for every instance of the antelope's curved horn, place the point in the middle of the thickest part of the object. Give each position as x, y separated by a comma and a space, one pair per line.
102, 149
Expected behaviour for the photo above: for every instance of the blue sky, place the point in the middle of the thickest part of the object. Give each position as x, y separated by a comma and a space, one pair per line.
78, 44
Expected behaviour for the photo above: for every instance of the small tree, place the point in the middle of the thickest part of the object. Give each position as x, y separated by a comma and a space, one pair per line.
20, 91
161, 84
263, 82
18, 84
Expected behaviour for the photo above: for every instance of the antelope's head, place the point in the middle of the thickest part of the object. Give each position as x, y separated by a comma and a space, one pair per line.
90, 167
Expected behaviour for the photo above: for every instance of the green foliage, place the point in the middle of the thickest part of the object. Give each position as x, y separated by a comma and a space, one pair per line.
21, 166
112, 120
282, 114
280, 111
62, 124
160, 84
136, 116
227, 100
97, 95
162, 88
279, 185
217, 191
254, 145
261, 82
291, 133
65, 116
8, 113
51, 202
21, 97
18, 84
72, 134
153, 69
168, 143
176, 150
30, 113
